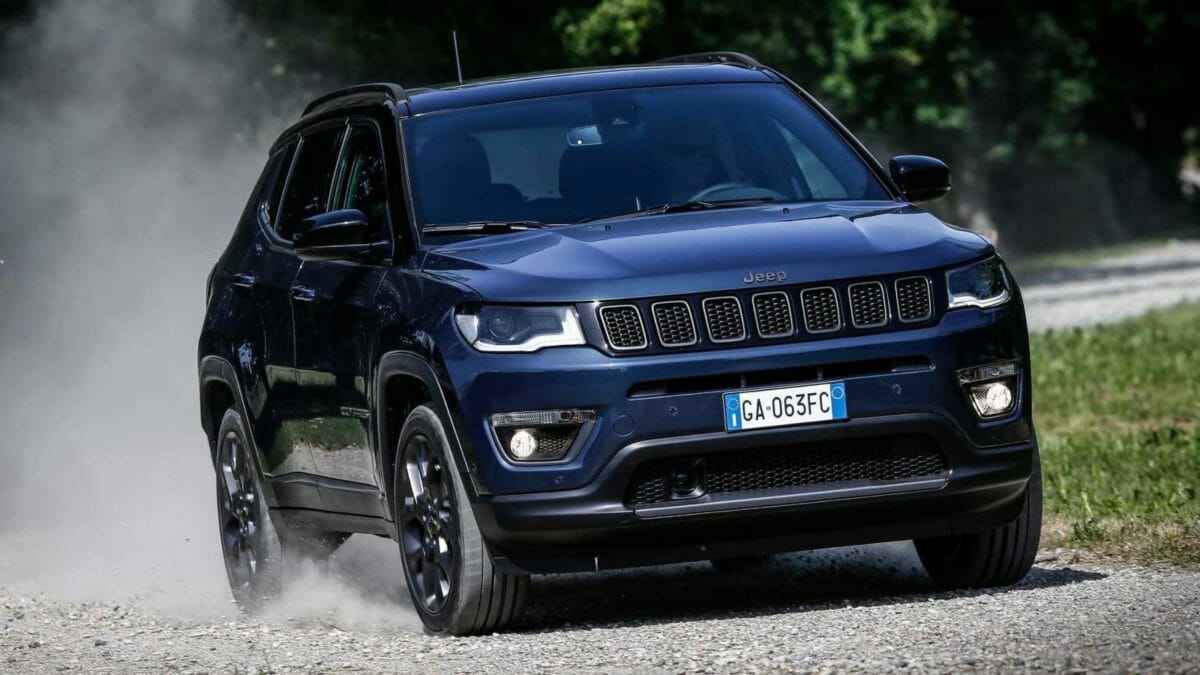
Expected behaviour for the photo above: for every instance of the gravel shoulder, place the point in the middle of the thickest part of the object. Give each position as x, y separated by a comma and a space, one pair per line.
860, 609
1115, 288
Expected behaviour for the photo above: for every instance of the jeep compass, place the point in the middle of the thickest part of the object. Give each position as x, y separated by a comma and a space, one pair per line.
600, 318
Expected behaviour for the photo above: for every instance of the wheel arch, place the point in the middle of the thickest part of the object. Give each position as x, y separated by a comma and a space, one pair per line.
403, 381
219, 391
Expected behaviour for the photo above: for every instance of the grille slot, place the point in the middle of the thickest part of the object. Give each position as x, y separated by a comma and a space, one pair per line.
623, 327
723, 317
887, 458
914, 299
773, 315
868, 305
821, 312
673, 321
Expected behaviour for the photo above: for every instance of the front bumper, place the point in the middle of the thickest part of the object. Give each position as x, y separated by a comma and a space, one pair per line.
593, 528
572, 515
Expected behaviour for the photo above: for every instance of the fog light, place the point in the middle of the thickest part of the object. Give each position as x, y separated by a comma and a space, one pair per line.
541, 435
992, 388
992, 399
522, 444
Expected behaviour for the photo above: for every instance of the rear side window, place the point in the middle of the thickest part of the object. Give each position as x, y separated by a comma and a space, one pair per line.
274, 178
307, 191
362, 184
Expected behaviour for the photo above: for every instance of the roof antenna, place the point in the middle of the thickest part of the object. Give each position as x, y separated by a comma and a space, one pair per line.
457, 63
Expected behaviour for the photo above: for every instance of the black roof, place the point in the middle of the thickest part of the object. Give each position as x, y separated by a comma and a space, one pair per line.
707, 68
556, 83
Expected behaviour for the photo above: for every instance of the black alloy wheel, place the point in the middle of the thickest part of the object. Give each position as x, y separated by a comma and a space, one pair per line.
455, 589
429, 524
248, 540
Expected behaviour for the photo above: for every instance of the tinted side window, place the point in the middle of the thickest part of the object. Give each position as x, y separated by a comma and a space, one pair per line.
362, 183
274, 178
312, 173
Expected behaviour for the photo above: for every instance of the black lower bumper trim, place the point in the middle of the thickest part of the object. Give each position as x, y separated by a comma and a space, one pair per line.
593, 527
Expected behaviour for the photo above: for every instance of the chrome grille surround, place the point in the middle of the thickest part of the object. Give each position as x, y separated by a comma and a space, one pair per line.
673, 323
914, 299
723, 319
868, 304
822, 309
623, 327
773, 314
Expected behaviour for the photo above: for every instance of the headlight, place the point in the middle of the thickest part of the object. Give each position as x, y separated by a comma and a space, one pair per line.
984, 284
519, 329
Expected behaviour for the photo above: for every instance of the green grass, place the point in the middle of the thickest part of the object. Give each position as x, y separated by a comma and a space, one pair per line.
1118, 414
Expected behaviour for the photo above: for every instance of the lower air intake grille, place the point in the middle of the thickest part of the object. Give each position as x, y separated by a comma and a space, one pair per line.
914, 302
673, 320
821, 313
623, 326
723, 316
868, 305
798, 465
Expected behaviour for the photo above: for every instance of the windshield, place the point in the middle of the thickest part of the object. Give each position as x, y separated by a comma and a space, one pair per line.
571, 158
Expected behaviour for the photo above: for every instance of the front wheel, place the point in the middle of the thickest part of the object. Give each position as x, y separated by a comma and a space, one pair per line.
454, 587
996, 557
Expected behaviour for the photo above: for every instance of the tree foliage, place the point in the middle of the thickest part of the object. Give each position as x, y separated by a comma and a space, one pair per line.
1063, 122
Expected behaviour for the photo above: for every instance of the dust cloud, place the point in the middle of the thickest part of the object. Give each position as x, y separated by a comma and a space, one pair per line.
130, 135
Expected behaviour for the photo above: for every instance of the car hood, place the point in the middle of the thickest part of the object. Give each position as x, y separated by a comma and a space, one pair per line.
703, 251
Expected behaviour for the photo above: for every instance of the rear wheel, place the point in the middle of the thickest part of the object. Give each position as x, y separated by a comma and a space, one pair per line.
996, 557
454, 587
253, 554
254, 551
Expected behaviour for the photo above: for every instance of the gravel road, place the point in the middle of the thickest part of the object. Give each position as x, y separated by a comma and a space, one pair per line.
150, 599
1114, 289
865, 609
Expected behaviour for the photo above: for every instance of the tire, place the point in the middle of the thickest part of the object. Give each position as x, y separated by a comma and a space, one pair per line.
741, 564
450, 577
252, 550
998, 557
256, 554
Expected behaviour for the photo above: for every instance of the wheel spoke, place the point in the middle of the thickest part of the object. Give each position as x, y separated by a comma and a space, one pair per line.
229, 481
441, 585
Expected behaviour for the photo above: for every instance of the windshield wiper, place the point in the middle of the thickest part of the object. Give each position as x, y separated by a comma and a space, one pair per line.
484, 227
679, 207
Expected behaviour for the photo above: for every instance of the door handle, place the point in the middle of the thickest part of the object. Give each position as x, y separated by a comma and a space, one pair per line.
244, 280
303, 294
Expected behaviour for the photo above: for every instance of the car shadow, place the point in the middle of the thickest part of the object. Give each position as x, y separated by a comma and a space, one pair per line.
887, 574
882, 574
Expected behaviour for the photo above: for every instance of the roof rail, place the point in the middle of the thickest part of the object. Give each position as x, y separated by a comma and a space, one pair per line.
393, 91
734, 58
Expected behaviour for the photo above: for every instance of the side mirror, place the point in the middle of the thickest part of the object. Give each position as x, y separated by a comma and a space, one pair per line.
337, 235
920, 178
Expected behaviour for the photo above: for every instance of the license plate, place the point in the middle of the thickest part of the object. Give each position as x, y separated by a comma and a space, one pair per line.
785, 406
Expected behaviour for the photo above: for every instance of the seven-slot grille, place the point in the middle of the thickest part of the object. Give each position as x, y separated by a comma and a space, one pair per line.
914, 299
868, 305
723, 316
623, 326
773, 314
821, 312
673, 321
728, 318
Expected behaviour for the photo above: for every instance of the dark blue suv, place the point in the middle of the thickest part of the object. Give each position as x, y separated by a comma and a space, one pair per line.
589, 319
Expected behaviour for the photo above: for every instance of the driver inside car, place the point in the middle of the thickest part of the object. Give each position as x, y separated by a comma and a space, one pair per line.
693, 157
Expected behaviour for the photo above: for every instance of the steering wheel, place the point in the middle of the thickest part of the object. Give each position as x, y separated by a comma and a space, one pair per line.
741, 190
